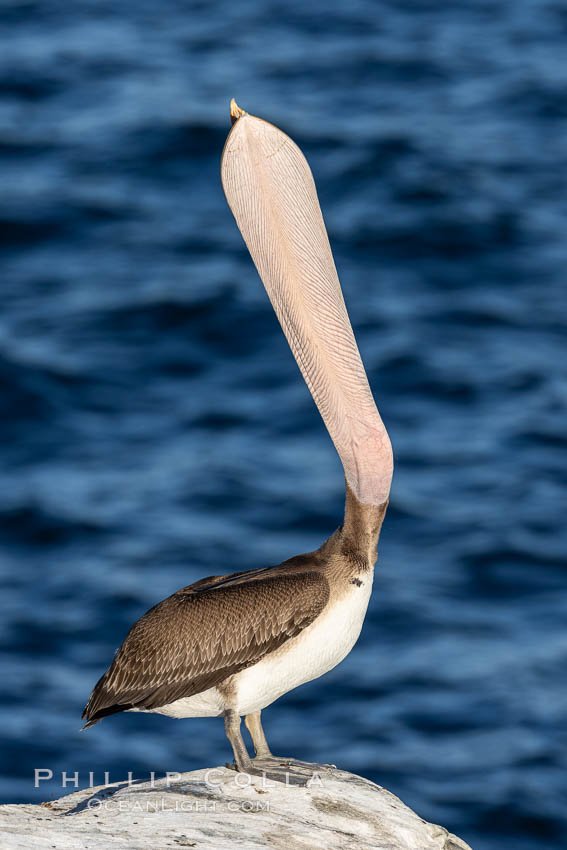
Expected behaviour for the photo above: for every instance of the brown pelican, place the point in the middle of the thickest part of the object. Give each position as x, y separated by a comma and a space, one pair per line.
230, 645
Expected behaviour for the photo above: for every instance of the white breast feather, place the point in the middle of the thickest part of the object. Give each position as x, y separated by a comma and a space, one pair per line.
316, 650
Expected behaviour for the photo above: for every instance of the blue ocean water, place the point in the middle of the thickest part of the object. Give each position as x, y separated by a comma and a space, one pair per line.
154, 426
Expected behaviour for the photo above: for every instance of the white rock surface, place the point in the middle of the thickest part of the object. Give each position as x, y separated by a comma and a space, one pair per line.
219, 809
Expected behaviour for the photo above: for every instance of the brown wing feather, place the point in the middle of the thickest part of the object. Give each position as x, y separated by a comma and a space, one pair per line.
204, 633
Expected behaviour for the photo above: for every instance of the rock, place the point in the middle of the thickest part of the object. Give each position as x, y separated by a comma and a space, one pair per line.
219, 809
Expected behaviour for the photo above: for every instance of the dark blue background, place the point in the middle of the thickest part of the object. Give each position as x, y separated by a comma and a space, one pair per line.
154, 426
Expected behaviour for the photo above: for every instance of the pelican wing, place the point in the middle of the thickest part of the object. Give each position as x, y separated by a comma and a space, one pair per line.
203, 634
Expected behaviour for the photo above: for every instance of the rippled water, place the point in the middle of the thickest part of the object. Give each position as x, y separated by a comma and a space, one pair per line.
154, 426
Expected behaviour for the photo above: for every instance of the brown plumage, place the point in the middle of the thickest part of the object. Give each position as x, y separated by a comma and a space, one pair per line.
221, 625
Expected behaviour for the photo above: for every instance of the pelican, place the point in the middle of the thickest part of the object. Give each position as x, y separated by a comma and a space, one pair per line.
229, 645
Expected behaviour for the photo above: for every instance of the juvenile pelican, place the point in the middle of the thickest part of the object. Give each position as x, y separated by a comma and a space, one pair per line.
230, 645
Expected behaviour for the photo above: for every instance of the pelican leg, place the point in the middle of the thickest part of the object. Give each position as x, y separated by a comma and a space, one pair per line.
265, 758
269, 768
254, 726
232, 728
